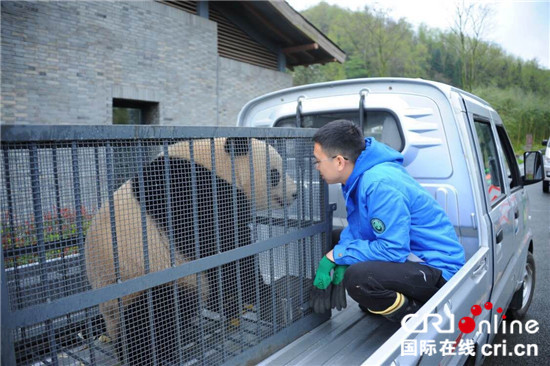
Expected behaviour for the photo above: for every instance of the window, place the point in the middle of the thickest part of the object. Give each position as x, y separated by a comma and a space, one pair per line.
135, 112
510, 163
131, 112
493, 173
382, 125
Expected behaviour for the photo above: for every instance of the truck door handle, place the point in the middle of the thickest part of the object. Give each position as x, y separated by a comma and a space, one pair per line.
516, 221
500, 236
480, 267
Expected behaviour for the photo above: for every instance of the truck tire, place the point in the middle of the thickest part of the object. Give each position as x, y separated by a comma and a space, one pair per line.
545, 184
528, 289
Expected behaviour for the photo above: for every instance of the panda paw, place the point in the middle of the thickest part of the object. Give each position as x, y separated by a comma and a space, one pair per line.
104, 339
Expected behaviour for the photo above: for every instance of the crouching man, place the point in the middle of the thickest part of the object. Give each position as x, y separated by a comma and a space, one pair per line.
391, 219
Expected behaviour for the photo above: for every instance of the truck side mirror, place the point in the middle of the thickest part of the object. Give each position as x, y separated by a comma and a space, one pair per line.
544, 142
532, 167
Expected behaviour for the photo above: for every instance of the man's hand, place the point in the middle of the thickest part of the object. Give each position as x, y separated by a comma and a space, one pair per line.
322, 276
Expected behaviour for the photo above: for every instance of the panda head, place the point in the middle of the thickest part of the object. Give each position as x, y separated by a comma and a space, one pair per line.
272, 188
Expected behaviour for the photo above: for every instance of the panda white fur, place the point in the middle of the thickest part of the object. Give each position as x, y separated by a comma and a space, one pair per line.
100, 260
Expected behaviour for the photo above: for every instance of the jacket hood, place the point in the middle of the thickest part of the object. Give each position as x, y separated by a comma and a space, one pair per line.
375, 153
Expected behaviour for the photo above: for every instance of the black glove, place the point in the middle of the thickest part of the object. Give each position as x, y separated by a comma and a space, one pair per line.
320, 299
338, 297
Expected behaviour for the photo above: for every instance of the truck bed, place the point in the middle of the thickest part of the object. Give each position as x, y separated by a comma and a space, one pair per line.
348, 338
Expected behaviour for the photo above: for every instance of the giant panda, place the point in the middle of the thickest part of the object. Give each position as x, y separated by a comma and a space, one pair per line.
235, 192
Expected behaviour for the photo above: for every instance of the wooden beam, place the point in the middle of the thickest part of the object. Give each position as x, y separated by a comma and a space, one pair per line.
302, 48
322, 62
307, 28
244, 26
266, 22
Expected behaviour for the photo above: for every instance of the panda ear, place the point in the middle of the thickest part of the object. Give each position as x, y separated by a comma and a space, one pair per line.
239, 145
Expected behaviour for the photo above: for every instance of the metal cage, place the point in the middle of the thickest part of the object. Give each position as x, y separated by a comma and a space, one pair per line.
155, 245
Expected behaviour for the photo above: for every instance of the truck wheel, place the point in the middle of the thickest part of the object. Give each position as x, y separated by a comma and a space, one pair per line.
528, 289
545, 184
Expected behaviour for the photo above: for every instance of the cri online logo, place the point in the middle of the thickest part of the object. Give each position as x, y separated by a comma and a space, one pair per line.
467, 324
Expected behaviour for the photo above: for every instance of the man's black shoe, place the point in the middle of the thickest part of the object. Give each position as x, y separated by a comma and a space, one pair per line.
364, 309
410, 306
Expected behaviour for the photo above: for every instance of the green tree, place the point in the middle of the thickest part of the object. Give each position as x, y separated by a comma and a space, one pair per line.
469, 27
378, 45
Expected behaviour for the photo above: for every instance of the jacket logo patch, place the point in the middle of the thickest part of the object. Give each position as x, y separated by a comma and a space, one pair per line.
378, 226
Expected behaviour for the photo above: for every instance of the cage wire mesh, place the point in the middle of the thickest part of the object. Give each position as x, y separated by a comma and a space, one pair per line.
210, 215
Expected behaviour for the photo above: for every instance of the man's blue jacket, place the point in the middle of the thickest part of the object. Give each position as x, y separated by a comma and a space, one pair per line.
390, 215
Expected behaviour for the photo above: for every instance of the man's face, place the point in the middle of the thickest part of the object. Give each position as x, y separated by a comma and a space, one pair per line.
326, 165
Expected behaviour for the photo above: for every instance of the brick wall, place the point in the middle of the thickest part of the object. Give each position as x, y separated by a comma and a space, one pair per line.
64, 62
240, 82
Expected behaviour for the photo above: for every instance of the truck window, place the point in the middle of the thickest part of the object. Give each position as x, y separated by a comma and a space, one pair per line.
382, 125
510, 163
491, 164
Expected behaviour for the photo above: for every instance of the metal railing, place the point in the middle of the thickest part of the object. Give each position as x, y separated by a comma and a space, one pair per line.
157, 245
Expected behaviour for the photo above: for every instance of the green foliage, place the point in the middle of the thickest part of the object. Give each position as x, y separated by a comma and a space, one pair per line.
523, 112
377, 45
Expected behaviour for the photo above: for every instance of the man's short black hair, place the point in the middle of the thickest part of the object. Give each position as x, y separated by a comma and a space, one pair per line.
341, 137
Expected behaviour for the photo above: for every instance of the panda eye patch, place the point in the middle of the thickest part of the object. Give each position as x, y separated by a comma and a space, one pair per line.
275, 177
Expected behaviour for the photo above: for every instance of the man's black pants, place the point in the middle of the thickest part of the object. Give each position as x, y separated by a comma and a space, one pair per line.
374, 284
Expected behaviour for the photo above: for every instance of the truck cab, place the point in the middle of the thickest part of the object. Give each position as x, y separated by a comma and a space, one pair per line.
456, 146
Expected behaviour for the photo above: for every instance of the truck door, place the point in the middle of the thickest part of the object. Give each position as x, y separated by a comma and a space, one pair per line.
501, 205
517, 199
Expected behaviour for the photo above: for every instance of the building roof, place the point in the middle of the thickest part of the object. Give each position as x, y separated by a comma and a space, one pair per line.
276, 25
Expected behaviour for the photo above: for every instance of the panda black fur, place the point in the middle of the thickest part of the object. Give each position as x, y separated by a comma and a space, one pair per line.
232, 231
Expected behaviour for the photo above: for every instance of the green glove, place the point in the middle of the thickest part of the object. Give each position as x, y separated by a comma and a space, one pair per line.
338, 274
322, 276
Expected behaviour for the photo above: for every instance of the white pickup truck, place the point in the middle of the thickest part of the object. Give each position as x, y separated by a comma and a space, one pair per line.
456, 146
